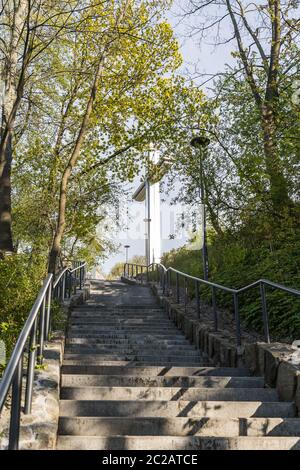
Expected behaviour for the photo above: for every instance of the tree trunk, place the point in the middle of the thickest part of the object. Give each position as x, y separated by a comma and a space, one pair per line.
61, 222
13, 80
278, 185
6, 240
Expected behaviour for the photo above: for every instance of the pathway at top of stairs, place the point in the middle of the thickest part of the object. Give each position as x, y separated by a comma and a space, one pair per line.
131, 380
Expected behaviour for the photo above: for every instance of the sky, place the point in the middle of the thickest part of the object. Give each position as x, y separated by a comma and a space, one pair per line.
205, 59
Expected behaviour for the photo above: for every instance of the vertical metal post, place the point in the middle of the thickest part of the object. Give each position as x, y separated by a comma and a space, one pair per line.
74, 280
185, 293
197, 295
177, 289
264, 311
70, 284
214, 306
30, 369
167, 283
142, 272
157, 273
41, 332
48, 312
80, 278
148, 273
63, 281
237, 319
14, 428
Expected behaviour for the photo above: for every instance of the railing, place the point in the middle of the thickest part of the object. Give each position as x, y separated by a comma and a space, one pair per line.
164, 278
32, 341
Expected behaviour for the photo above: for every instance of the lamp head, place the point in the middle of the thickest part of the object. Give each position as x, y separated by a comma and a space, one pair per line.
200, 141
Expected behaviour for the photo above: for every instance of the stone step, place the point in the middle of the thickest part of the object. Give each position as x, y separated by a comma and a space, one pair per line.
127, 331
98, 327
131, 380
131, 350
153, 371
121, 316
183, 343
99, 320
128, 336
177, 443
155, 322
90, 356
200, 426
79, 380
121, 308
169, 393
133, 363
142, 346
180, 408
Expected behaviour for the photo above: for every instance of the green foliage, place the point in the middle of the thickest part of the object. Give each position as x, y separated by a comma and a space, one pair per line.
236, 261
20, 281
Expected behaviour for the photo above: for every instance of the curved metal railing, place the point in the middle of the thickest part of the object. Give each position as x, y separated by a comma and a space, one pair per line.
164, 278
31, 340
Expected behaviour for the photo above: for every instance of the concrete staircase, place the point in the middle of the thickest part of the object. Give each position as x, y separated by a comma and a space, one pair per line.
131, 380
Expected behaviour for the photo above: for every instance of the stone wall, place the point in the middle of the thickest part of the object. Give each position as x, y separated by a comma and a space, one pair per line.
276, 362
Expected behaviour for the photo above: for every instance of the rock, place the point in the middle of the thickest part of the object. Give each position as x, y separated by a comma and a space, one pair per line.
251, 356
287, 381
297, 395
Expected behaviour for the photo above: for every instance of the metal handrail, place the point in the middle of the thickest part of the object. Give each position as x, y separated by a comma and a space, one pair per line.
66, 269
164, 278
34, 334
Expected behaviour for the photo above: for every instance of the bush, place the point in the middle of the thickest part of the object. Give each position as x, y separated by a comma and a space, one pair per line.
233, 262
20, 280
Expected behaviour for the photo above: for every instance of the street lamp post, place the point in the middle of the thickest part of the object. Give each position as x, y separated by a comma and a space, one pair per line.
126, 256
201, 143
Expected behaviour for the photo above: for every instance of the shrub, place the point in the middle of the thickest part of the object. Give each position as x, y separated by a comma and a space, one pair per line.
20, 280
235, 263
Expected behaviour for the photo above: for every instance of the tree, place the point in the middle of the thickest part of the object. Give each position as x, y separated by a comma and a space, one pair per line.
28, 29
265, 34
93, 107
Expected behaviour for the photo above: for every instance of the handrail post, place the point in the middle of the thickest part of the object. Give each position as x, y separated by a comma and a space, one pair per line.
48, 314
69, 284
14, 427
80, 278
197, 293
264, 312
185, 294
63, 281
41, 333
214, 306
73, 277
164, 282
167, 284
30, 369
237, 319
177, 289
147, 274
